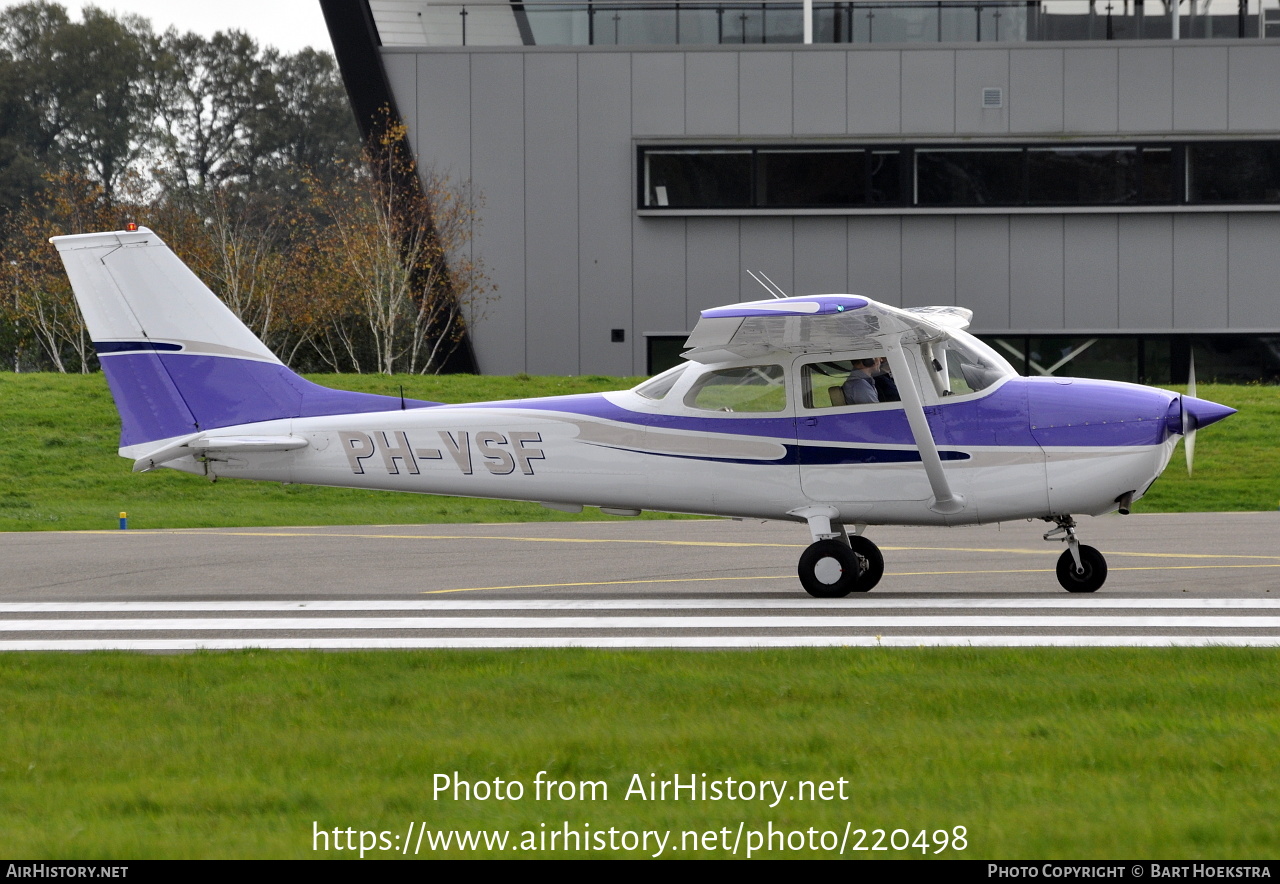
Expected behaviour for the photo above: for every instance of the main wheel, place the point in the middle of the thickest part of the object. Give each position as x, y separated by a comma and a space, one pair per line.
829, 570
872, 564
1095, 570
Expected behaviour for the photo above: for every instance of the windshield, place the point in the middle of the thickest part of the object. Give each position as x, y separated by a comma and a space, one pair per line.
966, 365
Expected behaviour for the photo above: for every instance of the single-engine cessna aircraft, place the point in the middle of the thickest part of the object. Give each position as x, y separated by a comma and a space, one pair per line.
777, 413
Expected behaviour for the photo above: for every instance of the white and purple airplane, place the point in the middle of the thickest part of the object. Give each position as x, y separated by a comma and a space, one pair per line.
762, 421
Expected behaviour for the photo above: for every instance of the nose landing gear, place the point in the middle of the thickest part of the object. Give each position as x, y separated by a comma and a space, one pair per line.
1080, 568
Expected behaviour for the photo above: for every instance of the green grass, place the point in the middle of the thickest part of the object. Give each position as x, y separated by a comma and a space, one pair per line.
59, 469
1038, 753
1237, 461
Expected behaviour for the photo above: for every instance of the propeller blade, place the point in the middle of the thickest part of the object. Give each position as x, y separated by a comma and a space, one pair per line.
1188, 419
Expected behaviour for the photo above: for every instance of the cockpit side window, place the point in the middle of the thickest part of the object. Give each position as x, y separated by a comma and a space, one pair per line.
864, 379
755, 388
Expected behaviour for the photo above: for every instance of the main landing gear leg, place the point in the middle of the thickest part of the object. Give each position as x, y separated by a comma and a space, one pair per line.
836, 564
1080, 568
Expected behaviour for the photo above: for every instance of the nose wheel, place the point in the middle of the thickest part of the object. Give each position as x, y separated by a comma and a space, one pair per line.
1080, 568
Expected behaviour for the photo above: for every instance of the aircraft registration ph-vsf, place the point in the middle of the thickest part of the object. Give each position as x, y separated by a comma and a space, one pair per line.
772, 416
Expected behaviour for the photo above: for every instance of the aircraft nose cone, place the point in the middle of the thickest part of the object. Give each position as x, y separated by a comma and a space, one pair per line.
1203, 412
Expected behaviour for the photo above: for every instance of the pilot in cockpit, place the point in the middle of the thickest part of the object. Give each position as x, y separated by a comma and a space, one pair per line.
870, 382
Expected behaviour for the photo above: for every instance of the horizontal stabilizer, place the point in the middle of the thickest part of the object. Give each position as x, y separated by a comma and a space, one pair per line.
201, 444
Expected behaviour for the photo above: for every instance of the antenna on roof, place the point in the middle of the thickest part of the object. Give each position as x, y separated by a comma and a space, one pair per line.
769, 285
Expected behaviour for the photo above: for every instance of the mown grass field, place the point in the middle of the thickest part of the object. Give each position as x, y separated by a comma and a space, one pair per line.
1049, 753
59, 469
1038, 753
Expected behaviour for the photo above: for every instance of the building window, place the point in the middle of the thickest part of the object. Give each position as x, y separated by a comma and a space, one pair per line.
1246, 172
989, 177
980, 176
704, 179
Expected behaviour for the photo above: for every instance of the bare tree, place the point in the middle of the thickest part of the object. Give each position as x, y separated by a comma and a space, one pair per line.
395, 243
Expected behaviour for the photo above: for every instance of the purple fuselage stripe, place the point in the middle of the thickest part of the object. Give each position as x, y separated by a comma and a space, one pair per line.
161, 395
1025, 412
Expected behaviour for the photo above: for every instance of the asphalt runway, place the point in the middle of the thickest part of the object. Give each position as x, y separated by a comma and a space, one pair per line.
1174, 579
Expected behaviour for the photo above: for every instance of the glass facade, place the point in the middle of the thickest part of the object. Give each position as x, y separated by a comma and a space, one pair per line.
1137, 359
705, 22
978, 176
1145, 359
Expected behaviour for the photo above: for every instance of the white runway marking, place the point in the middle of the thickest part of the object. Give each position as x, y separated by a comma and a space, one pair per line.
667, 623
872, 601
276, 624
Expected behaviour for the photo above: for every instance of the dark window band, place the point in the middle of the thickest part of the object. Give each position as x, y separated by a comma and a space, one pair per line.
973, 176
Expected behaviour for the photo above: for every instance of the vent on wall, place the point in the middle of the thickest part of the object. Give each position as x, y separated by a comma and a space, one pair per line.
992, 97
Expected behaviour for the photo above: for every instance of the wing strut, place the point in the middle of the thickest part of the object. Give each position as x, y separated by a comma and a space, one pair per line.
945, 500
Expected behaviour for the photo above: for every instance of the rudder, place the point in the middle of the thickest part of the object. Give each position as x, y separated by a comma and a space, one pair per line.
178, 361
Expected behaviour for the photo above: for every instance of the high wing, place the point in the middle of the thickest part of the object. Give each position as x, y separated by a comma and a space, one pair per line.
834, 323
816, 324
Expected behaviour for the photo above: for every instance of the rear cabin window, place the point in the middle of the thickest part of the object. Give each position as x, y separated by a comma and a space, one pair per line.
658, 387
756, 388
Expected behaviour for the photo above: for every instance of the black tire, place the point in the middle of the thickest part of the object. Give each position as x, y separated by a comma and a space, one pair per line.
872, 565
1095, 570
829, 570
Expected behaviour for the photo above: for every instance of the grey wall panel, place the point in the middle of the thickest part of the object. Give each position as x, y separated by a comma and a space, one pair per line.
1145, 102
821, 256
443, 127
1254, 284
1254, 102
551, 211
875, 92
928, 260
768, 244
875, 258
605, 214
497, 168
1089, 92
1035, 272
659, 265
1035, 90
976, 70
1200, 88
928, 92
1200, 278
713, 265
982, 269
711, 93
819, 95
657, 93
1091, 271
402, 75
1145, 243
764, 93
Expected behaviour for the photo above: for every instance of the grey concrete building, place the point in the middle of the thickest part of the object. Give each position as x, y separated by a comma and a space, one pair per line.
1101, 189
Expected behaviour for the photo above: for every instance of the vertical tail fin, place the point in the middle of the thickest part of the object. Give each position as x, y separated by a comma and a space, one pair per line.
177, 360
